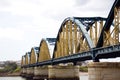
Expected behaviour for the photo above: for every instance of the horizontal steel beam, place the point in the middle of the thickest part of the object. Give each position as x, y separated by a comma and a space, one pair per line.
100, 53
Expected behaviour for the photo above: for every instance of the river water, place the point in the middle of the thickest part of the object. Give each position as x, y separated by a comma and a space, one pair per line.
20, 78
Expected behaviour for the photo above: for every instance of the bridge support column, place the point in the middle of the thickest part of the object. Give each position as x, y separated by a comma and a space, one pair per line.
30, 72
40, 73
63, 72
23, 72
104, 71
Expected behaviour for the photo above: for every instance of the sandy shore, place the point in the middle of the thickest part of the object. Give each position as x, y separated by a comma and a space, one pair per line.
83, 73
14, 74
18, 74
9, 74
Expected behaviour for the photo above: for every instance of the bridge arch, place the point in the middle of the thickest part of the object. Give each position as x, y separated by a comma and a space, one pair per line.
110, 33
95, 29
46, 49
23, 61
72, 38
27, 58
34, 55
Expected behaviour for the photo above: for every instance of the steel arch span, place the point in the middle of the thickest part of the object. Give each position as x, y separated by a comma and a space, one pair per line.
27, 58
76, 35
45, 49
34, 55
110, 33
80, 39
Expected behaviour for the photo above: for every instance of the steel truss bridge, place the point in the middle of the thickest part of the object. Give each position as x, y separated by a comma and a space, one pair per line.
79, 39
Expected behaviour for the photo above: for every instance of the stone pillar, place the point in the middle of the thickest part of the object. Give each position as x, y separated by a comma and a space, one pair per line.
63, 72
104, 71
30, 72
40, 73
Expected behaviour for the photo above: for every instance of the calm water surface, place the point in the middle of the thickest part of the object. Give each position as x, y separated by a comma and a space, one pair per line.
12, 78
20, 78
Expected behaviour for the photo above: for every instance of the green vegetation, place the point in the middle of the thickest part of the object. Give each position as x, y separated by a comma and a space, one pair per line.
9, 67
17, 69
83, 68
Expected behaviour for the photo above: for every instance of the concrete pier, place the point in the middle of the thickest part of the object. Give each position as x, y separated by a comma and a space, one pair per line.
30, 72
23, 72
104, 71
40, 73
63, 72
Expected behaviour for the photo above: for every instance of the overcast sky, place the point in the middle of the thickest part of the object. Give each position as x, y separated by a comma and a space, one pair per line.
24, 22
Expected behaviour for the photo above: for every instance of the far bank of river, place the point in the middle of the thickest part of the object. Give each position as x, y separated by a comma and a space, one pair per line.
9, 74
84, 73
18, 74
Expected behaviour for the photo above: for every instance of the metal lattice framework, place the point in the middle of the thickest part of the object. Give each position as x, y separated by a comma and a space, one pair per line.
76, 35
44, 53
27, 58
45, 50
80, 39
34, 55
23, 61
110, 34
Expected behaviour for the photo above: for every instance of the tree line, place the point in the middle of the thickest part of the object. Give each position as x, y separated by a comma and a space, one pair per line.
8, 67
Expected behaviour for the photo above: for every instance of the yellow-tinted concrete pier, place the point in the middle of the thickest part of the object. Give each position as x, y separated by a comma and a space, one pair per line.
30, 72
63, 72
40, 73
104, 71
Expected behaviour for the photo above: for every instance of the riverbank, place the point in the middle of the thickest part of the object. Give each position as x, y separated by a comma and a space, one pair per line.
9, 74
14, 74
18, 74
83, 74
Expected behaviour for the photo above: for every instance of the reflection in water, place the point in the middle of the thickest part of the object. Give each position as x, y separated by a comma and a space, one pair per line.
84, 77
27, 78
12, 78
